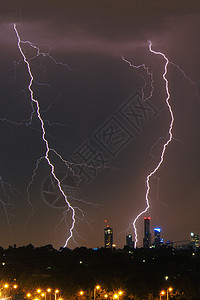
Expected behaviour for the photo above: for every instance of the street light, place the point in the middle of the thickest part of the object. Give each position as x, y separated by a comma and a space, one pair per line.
56, 292
169, 290
4, 287
97, 287
49, 291
28, 295
80, 293
44, 295
120, 293
162, 293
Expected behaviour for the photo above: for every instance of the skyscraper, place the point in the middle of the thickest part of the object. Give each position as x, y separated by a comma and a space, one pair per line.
147, 234
157, 240
129, 241
194, 240
108, 237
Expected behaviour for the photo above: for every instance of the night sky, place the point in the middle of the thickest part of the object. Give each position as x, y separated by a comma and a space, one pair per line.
85, 103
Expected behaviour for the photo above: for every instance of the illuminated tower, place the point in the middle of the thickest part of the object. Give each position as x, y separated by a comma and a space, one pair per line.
194, 240
129, 241
147, 234
157, 240
108, 236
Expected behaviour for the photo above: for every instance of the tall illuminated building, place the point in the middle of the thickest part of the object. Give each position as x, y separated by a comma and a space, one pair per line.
147, 233
194, 240
157, 240
108, 237
129, 241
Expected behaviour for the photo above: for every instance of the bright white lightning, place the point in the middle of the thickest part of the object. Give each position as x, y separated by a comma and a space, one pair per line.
164, 146
33, 100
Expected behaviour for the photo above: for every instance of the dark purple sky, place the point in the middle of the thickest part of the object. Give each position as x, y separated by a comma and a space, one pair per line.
88, 96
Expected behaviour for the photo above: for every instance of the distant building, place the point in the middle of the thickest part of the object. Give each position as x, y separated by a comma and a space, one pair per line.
129, 241
157, 240
194, 240
169, 244
147, 234
108, 237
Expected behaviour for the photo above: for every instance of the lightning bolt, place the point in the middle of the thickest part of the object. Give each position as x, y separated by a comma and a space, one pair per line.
146, 68
46, 143
169, 139
193, 84
170, 136
6, 191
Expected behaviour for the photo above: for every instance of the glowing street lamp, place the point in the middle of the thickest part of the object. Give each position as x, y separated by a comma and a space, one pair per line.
97, 287
44, 295
106, 296
49, 291
80, 293
15, 286
162, 293
38, 291
28, 295
4, 287
120, 293
169, 290
56, 292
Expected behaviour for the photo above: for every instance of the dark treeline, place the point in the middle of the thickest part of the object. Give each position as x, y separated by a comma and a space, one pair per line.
142, 274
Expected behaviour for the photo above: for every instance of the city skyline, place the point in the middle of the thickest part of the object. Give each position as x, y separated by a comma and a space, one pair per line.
152, 238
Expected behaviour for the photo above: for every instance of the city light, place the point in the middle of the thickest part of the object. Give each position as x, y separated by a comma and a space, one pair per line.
157, 229
56, 292
97, 287
169, 290
162, 293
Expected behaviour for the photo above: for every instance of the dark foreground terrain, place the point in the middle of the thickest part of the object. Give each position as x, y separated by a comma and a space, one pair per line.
141, 274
